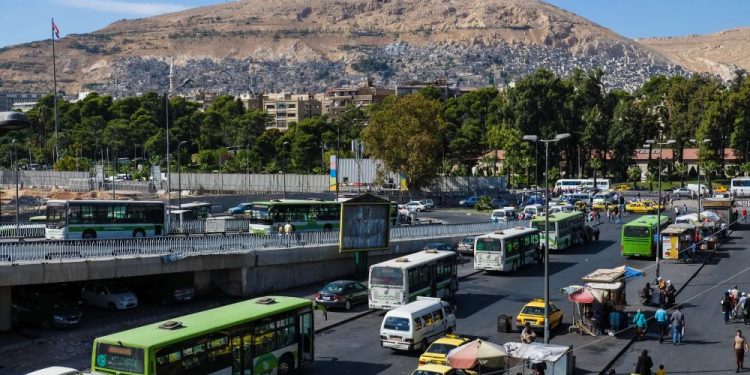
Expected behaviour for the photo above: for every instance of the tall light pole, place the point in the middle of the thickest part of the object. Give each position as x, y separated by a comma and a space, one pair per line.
166, 126
179, 175
15, 161
661, 145
338, 147
698, 170
283, 164
535, 139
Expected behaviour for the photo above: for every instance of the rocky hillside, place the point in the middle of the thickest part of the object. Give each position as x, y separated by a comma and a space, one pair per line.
307, 45
720, 53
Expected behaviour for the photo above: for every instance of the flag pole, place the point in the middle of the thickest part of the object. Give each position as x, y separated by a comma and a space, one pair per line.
56, 155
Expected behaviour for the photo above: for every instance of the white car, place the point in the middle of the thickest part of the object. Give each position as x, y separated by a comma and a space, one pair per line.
56, 370
416, 206
109, 295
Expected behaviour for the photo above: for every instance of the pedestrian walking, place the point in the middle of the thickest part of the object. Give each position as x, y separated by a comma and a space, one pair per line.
676, 212
744, 215
662, 322
684, 208
671, 294
726, 306
644, 365
740, 347
641, 324
678, 325
619, 217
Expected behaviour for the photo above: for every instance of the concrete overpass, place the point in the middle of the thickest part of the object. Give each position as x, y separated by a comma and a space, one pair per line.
240, 265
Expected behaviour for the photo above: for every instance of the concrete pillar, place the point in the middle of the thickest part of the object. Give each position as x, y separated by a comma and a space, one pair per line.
202, 281
5, 309
236, 282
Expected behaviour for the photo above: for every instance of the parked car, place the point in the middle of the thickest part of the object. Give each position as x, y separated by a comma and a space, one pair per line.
466, 246
683, 192
533, 313
165, 293
342, 294
498, 203
110, 295
240, 208
428, 203
56, 370
469, 202
46, 310
416, 206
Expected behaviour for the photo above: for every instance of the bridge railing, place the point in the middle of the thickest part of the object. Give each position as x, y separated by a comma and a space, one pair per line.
177, 247
24, 230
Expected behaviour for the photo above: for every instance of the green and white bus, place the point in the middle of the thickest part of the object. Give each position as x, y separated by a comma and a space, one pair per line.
268, 335
638, 236
565, 229
305, 215
507, 249
89, 219
396, 282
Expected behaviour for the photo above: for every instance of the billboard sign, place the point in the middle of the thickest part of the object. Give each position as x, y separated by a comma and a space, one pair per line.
365, 224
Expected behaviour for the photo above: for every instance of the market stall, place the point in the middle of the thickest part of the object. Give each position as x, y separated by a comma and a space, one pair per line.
677, 238
522, 358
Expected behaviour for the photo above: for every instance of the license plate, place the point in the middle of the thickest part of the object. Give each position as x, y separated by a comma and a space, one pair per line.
326, 298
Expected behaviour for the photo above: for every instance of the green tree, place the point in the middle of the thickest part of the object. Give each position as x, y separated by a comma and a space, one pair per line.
634, 175
402, 134
681, 170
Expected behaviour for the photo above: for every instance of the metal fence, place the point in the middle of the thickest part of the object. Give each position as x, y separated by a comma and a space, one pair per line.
22, 231
177, 247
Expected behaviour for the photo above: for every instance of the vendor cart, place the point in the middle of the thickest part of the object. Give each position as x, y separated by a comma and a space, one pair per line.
677, 238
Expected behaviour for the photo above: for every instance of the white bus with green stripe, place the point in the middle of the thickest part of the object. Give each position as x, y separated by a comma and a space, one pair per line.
565, 229
104, 219
429, 273
507, 249
305, 215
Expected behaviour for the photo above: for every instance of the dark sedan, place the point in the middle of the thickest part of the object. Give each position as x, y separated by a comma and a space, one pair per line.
440, 246
342, 294
44, 310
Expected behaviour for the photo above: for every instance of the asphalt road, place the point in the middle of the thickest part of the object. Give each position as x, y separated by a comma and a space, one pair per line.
354, 348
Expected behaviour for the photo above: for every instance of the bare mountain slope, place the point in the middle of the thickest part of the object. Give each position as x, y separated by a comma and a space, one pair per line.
326, 38
720, 53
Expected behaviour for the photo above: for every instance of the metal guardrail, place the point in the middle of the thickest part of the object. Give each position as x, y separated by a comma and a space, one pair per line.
177, 247
22, 231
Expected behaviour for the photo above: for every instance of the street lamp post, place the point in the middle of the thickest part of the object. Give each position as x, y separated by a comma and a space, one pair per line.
166, 126
283, 164
15, 161
535, 139
698, 170
661, 145
338, 147
179, 175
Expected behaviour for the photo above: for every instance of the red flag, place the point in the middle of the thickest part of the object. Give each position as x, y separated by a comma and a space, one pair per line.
55, 29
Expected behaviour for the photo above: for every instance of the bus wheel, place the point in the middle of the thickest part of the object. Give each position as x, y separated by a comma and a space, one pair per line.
514, 268
348, 305
286, 366
89, 234
327, 228
139, 233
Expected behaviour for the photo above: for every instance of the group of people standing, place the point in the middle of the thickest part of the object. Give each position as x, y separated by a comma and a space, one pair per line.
734, 306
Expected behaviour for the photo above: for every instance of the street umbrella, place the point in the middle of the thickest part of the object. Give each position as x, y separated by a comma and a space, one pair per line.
476, 352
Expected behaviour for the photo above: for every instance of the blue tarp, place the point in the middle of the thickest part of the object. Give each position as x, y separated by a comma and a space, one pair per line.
632, 272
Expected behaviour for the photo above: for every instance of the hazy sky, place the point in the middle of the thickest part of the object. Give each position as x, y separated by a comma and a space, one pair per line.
29, 20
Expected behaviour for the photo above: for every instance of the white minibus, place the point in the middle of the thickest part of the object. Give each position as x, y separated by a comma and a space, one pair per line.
417, 324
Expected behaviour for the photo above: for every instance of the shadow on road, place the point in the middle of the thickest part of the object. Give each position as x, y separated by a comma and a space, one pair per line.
468, 304
591, 248
333, 365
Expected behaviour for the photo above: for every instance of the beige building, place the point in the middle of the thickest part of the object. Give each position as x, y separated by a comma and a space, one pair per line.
284, 108
336, 100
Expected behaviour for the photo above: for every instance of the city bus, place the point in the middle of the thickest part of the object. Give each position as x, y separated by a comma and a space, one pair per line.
192, 210
565, 229
638, 236
306, 215
740, 186
507, 249
258, 336
568, 185
88, 219
429, 273
602, 184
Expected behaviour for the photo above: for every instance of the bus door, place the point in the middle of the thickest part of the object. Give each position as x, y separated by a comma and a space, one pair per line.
307, 334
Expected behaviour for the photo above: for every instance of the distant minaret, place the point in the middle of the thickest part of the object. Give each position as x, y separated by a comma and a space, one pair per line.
171, 74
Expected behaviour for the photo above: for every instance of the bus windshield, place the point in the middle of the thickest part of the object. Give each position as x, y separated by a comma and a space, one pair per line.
540, 225
119, 358
740, 183
258, 212
488, 244
633, 231
56, 216
387, 276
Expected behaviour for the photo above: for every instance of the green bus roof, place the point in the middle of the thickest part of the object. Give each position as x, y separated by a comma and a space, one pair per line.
295, 202
204, 322
558, 216
649, 220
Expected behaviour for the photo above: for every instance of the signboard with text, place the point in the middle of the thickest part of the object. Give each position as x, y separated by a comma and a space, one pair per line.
365, 224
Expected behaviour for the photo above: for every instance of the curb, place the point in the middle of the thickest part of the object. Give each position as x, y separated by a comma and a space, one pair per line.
367, 312
632, 340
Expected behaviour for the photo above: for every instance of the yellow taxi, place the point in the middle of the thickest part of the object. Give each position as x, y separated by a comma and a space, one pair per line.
643, 207
438, 350
598, 205
533, 313
721, 189
621, 187
441, 370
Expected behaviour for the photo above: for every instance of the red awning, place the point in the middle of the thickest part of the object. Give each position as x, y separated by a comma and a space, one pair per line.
582, 296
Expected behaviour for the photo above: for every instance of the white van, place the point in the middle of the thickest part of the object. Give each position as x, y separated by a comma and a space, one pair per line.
417, 324
504, 214
605, 197
532, 211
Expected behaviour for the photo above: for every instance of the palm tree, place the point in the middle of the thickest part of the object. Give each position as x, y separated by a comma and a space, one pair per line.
595, 164
681, 170
745, 168
634, 174
709, 166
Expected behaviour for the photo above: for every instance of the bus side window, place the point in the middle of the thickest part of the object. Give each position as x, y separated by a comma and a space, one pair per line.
448, 309
417, 324
427, 320
438, 315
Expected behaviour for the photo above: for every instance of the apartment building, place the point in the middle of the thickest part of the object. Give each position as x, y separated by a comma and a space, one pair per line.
23, 100
284, 108
336, 100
